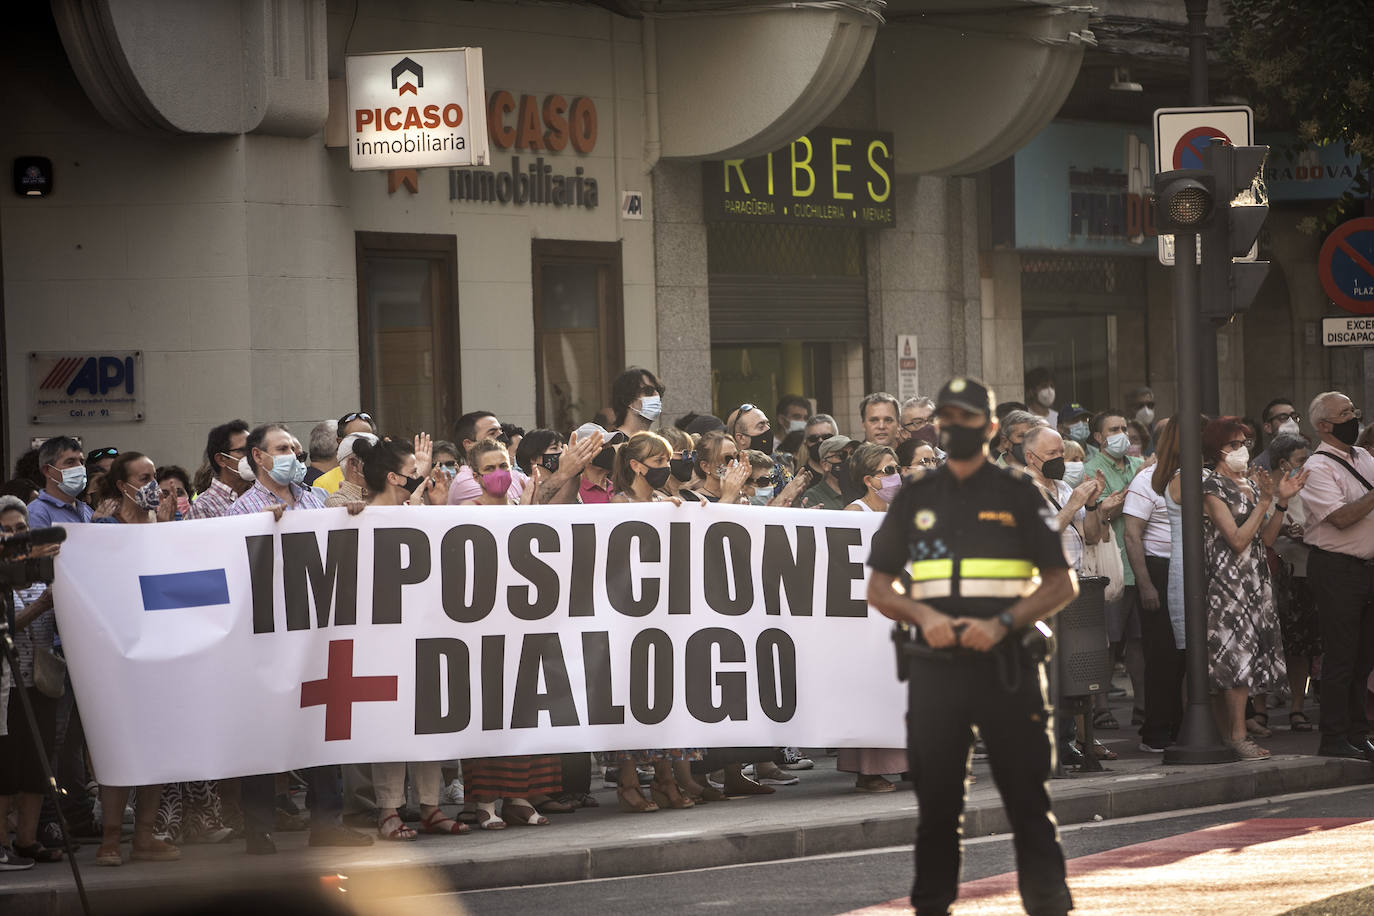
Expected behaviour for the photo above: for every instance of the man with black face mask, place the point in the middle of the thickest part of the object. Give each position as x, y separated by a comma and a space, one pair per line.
955, 564
1339, 500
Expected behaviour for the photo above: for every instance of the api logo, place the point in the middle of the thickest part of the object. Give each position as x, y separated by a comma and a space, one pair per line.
96, 375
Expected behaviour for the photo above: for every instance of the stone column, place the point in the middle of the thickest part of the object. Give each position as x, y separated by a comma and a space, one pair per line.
684, 321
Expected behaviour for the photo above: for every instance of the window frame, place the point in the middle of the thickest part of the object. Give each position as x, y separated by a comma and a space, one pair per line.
610, 308
447, 366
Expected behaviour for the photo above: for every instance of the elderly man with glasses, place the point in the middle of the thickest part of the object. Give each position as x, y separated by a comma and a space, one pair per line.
1339, 502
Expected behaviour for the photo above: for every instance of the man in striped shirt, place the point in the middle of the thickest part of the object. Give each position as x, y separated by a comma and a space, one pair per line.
273, 453
223, 449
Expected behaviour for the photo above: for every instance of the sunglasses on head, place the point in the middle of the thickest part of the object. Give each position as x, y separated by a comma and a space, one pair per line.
102, 453
350, 417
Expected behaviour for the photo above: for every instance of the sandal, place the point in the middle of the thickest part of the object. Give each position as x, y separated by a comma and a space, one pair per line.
1258, 725
523, 816
667, 795
439, 822
1249, 750
399, 832
106, 855
487, 818
873, 784
1104, 719
630, 801
1100, 750
1298, 722
555, 806
38, 852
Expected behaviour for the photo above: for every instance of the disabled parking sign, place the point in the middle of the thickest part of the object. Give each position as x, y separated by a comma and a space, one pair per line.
1346, 266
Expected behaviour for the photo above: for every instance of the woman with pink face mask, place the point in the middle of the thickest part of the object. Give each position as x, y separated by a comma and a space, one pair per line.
175, 485
519, 783
876, 469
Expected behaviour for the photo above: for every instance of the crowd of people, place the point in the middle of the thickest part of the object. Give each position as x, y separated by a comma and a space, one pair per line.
1282, 606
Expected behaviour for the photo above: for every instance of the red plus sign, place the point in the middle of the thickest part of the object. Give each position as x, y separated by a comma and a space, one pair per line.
340, 690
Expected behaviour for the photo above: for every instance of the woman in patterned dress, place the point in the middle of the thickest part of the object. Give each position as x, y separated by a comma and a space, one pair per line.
519, 783
1244, 645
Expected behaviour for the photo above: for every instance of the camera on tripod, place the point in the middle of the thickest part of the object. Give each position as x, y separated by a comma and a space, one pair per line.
18, 568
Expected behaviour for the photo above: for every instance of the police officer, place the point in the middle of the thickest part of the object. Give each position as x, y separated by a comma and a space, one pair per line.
963, 543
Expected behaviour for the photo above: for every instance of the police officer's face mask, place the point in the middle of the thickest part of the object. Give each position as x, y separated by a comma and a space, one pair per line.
962, 442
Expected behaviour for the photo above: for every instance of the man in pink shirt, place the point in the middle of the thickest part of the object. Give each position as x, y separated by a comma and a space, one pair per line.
1339, 499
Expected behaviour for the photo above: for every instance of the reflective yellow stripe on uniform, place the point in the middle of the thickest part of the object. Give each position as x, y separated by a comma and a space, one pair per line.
926, 570
979, 577
978, 568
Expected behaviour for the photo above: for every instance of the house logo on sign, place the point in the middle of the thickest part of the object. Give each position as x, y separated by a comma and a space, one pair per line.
403, 66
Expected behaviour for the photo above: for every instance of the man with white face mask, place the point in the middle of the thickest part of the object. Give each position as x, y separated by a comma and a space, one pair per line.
1040, 395
1123, 615
1140, 406
637, 398
1279, 416
793, 413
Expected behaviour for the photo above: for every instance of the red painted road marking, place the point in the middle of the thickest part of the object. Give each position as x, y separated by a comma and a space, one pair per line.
1260, 867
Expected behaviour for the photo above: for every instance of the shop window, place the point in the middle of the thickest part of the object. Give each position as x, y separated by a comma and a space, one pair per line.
762, 373
578, 317
407, 331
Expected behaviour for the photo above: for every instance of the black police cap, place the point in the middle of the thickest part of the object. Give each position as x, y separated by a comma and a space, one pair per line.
966, 392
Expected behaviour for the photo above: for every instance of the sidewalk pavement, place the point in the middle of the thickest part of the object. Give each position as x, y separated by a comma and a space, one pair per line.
822, 814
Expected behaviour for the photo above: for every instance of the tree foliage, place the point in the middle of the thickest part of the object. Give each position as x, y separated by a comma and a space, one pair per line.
1310, 64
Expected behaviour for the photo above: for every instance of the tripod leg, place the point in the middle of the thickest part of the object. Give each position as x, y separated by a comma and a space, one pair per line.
8, 645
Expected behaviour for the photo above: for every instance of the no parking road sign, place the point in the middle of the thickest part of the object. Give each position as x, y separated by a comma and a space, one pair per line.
1181, 134
1346, 266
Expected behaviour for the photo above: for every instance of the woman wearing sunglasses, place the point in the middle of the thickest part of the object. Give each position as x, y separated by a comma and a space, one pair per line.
875, 468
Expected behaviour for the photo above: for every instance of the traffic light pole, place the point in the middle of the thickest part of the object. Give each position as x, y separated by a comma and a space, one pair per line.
1198, 741
1205, 349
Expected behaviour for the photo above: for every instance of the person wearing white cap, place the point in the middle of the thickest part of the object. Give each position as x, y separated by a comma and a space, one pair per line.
352, 486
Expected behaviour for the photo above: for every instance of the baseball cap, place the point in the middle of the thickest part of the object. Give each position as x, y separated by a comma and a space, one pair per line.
586, 429
829, 446
346, 446
703, 424
966, 392
1072, 411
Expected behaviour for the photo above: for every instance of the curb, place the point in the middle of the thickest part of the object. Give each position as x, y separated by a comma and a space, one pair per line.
1076, 800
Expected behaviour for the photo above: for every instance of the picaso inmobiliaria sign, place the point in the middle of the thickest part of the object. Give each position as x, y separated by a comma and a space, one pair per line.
827, 177
416, 109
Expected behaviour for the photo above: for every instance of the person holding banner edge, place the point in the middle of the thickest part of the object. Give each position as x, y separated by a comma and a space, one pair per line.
520, 783
393, 476
954, 564
277, 488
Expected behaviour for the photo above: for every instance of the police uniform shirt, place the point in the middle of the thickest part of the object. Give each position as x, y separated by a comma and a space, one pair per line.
968, 548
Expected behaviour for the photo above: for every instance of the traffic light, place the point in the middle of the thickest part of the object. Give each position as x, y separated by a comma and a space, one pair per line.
1230, 286
1183, 201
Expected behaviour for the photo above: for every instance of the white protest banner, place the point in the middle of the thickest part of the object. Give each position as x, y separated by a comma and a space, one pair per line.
208, 649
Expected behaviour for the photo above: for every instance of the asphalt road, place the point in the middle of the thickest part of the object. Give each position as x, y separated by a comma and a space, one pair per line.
842, 883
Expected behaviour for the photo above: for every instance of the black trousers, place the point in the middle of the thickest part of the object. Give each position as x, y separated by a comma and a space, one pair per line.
947, 697
1164, 664
1344, 589
324, 798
